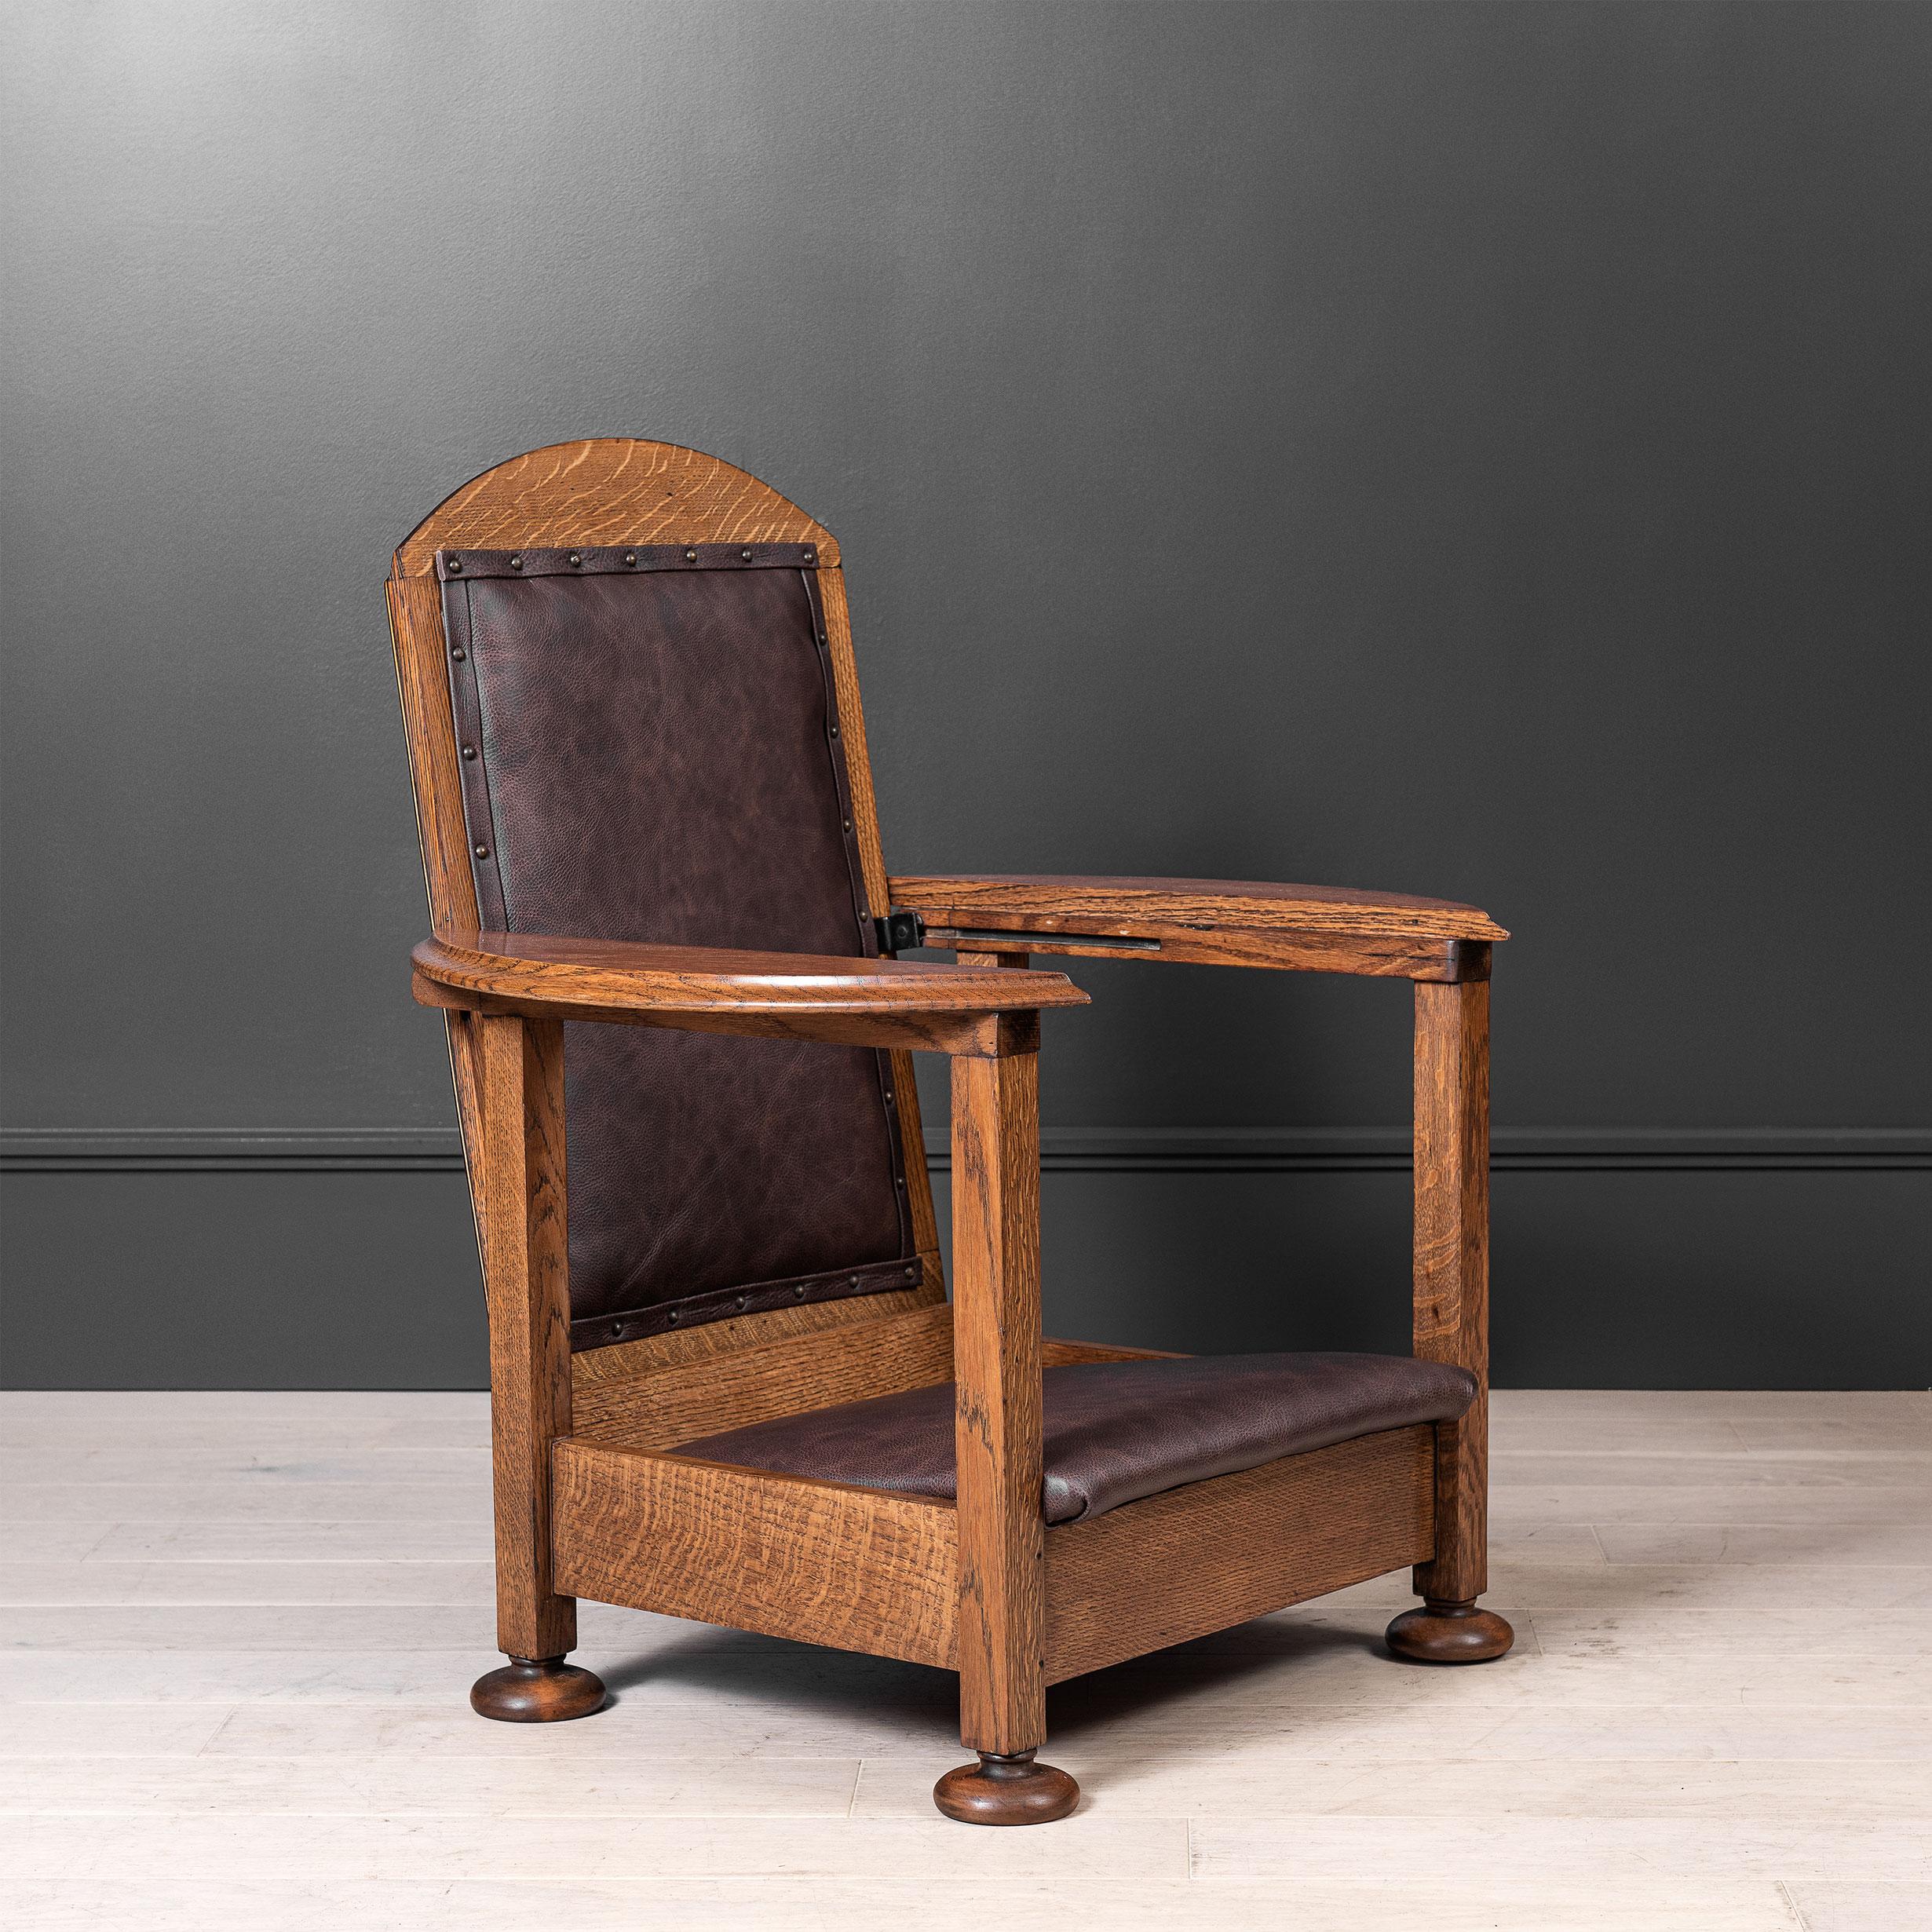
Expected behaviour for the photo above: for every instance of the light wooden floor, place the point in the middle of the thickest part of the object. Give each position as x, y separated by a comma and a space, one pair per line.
240, 1629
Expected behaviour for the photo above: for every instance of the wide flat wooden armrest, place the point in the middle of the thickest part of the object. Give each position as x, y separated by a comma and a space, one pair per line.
1228, 922
976, 1011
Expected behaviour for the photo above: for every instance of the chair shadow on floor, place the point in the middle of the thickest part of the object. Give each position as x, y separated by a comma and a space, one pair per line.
808, 1684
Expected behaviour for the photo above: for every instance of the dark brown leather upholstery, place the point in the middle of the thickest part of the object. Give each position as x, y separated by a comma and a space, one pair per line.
648, 753
1116, 1431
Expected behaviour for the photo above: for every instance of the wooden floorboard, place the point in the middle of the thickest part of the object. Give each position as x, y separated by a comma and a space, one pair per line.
239, 1631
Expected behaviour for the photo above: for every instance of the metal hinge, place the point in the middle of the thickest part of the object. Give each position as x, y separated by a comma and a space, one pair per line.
900, 932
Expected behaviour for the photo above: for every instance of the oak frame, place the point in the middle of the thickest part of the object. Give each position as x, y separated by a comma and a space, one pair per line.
588, 1500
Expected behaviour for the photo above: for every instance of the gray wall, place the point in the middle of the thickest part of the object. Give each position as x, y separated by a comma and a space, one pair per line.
1464, 449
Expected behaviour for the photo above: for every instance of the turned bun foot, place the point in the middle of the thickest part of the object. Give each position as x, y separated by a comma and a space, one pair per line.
1007, 1790
536, 1690
1449, 1633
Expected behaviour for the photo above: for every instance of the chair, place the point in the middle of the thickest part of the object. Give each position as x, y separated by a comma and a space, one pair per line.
728, 1385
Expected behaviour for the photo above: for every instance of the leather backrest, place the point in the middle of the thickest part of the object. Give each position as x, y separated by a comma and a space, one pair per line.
649, 750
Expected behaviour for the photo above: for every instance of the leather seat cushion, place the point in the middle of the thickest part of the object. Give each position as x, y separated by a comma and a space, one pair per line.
1115, 1431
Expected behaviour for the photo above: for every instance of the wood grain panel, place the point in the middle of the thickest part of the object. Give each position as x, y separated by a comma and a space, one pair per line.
786, 1377
609, 490
622, 1361
1149, 940
1214, 1554
1043, 901
858, 1569
1063, 1354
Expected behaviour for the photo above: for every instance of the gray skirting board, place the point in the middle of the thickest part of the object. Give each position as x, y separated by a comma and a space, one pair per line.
1744, 1258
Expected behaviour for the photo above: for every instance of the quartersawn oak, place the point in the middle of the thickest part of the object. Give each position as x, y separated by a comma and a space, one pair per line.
588, 1500
519, 1093
868, 1570
609, 490
1451, 1319
1196, 1560
1045, 902
957, 1009
1307, 929
858, 1569
997, 1378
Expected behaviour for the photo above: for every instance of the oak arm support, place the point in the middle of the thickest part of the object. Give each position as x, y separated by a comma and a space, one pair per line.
1215, 921
971, 1011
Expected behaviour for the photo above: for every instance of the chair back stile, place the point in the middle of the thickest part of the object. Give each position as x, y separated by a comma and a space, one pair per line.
628, 687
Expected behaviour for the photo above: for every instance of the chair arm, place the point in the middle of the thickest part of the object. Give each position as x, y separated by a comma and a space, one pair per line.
977, 1011
1321, 929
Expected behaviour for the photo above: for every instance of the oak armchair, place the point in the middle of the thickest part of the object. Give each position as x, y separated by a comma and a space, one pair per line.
726, 1382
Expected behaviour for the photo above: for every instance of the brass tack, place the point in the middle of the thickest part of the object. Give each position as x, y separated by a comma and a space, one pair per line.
673, 1318
617, 1331
630, 557
835, 731
690, 556
516, 563
889, 1097
744, 1301
797, 1294
483, 852
575, 559
469, 751
854, 1282
848, 825
456, 564
910, 1274
458, 653
745, 555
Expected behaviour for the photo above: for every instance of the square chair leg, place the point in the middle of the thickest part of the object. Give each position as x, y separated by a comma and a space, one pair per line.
997, 1372
1451, 1320
518, 1066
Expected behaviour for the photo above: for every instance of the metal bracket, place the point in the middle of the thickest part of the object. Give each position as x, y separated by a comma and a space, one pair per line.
900, 932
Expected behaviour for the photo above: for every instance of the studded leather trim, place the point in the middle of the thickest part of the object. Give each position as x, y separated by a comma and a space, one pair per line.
837, 1284
623, 559
486, 864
